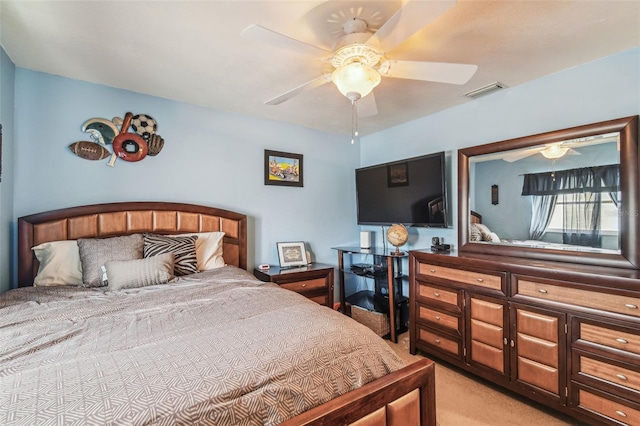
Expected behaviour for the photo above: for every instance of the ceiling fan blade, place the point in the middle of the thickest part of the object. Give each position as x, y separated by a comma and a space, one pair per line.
411, 18
511, 157
281, 41
367, 106
305, 87
441, 72
582, 142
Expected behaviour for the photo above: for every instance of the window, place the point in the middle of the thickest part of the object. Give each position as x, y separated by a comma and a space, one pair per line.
609, 223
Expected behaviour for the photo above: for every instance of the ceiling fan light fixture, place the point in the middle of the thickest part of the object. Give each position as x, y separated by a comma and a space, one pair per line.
553, 152
355, 78
356, 51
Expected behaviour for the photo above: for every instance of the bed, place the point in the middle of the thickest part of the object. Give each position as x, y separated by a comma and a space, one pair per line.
213, 347
479, 232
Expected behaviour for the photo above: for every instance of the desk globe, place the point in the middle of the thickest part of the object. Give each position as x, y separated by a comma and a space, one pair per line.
397, 235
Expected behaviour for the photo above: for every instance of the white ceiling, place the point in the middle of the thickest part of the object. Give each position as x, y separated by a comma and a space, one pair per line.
192, 51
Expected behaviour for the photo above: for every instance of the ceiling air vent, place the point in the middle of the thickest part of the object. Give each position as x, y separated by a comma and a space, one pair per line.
484, 90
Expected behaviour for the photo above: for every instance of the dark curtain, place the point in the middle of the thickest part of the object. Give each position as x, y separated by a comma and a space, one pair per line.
586, 179
542, 209
581, 190
615, 197
581, 221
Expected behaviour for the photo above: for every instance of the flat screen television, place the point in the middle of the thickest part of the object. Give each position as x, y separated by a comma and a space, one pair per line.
411, 192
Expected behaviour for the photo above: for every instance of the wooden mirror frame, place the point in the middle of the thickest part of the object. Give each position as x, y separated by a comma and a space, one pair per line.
629, 256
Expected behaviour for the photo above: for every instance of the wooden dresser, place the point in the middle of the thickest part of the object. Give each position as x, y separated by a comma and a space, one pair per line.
565, 335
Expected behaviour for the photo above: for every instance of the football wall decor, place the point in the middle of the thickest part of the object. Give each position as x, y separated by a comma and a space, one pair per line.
131, 139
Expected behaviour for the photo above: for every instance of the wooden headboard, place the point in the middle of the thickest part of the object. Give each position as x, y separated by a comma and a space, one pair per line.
113, 219
475, 217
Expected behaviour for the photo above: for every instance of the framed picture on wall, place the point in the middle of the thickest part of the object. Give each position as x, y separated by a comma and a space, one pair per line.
282, 168
292, 254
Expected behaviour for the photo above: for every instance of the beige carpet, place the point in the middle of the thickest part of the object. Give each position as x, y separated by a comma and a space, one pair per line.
463, 400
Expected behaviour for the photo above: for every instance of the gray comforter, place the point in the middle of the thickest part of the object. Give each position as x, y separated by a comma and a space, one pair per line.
217, 347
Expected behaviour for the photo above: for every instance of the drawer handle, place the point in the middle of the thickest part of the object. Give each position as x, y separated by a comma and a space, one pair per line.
433, 271
480, 280
631, 306
621, 376
621, 413
513, 344
505, 341
437, 317
543, 291
436, 294
438, 341
304, 285
623, 341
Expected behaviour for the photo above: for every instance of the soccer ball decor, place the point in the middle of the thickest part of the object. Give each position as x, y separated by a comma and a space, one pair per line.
144, 125
131, 138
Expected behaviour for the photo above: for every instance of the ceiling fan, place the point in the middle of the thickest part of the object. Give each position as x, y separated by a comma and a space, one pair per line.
556, 150
358, 60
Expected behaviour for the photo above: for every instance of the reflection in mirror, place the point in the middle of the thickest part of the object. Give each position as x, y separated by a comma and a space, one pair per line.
562, 195
568, 195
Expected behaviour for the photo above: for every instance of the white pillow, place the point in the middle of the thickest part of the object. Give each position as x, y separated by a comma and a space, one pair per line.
493, 237
59, 263
474, 233
208, 250
139, 272
484, 231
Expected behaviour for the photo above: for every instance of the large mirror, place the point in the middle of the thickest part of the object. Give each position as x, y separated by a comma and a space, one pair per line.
568, 195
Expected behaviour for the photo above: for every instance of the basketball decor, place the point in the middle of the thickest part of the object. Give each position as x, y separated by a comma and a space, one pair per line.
144, 125
129, 146
397, 235
131, 138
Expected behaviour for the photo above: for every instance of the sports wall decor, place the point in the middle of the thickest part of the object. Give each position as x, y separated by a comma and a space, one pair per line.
125, 144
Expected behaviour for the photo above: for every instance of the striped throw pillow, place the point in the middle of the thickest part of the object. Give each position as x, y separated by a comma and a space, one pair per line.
183, 249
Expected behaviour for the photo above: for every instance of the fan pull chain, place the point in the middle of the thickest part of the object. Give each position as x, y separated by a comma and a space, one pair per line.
354, 121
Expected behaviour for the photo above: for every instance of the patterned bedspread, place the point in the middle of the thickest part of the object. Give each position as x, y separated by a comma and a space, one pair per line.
217, 347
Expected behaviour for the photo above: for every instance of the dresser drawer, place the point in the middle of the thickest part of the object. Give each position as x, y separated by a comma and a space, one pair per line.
446, 297
440, 341
480, 279
437, 318
573, 296
306, 285
610, 338
614, 374
609, 408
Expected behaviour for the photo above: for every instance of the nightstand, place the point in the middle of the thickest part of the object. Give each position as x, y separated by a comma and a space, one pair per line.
314, 281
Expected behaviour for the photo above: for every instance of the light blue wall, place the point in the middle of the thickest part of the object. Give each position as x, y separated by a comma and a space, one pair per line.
7, 78
210, 157
601, 90
206, 147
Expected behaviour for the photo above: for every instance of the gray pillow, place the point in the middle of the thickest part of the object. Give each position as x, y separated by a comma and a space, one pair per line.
140, 272
95, 252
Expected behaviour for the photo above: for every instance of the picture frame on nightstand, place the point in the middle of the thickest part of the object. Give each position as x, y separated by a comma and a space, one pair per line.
292, 254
